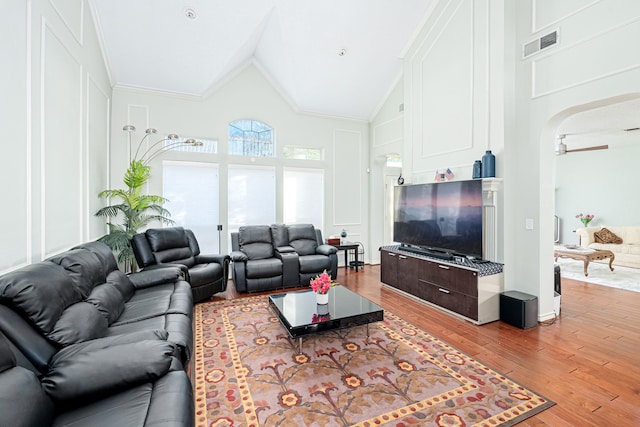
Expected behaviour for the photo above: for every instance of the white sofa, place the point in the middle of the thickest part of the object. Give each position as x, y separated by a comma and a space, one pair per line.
627, 253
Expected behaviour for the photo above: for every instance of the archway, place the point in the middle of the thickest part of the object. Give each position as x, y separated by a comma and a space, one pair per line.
549, 165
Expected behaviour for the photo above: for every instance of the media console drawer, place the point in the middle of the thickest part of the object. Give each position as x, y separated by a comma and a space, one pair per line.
451, 277
451, 300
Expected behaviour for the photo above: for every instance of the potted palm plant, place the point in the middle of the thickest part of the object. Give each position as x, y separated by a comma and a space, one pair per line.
136, 210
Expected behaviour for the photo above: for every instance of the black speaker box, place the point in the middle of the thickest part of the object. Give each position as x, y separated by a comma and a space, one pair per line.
519, 309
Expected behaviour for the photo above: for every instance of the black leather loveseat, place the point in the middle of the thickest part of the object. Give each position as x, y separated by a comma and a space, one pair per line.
83, 344
279, 256
176, 246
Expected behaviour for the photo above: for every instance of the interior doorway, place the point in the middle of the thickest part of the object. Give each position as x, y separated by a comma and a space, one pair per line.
391, 175
594, 147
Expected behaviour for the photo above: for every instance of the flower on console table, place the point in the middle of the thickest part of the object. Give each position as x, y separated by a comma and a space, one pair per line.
586, 219
322, 283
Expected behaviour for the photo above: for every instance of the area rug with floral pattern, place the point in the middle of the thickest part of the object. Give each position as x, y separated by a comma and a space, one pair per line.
248, 372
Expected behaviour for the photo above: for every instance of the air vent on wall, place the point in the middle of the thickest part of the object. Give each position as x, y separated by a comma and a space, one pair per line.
539, 44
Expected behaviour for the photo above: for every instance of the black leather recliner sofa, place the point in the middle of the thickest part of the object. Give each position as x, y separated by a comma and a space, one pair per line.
279, 256
162, 247
103, 382
103, 348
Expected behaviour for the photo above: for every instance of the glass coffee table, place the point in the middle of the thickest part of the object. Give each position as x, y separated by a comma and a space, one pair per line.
300, 315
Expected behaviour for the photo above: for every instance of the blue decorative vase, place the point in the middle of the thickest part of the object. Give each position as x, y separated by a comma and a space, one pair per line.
488, 165
477, 169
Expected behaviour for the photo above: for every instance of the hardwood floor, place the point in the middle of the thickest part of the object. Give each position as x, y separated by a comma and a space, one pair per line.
587, 361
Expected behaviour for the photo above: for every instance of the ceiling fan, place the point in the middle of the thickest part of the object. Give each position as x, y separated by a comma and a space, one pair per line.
561, 147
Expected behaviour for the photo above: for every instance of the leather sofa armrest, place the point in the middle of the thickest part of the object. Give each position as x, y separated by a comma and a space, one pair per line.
79, 377
172, 402
158, 274
326, 250
284, 249
238, 256
217, 258
290, 265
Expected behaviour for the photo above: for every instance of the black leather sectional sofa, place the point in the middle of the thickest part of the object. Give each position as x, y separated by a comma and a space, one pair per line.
83, 344
269, 257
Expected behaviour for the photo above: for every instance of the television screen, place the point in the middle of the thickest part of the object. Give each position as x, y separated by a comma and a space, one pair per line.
444, 216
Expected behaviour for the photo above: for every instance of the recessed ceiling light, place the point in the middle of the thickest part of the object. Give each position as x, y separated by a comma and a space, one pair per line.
190, 13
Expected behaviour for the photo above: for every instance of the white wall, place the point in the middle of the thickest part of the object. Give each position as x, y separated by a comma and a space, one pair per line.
249, 94
590, 67
55, 115
453, 111
387, 138
468, 89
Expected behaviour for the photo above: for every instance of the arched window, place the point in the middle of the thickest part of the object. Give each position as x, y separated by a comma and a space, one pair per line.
251, 138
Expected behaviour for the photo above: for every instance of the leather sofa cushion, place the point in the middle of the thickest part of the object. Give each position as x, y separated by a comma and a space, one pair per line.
22, 400
177, 325
161, 239
110, 297
94, 373
261, 268
41, 291
23, 403
264, 284
79, 322
171, 245
255, 241
314, 263
166, 402
7, 359
157, 301
103, 253
83, 267
201, 274
302, 238
175, 255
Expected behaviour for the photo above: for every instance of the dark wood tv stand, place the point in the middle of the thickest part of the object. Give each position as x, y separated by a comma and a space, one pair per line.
461, 288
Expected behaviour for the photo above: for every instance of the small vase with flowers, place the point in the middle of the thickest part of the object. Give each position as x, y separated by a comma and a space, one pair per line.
585, 219
321, 285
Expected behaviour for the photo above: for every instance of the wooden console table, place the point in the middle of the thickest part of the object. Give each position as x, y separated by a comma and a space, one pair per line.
585, 255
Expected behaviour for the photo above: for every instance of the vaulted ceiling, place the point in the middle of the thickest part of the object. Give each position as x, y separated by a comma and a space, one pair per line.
332, 57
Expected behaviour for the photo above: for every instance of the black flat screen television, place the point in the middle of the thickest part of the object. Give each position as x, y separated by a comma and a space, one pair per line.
443, 217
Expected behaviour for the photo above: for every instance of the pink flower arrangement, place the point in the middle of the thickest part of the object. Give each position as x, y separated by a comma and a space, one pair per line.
322, 283
586, 219
317, 318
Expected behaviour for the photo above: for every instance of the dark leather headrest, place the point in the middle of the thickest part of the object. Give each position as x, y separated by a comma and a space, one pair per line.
279, 235
166, 238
